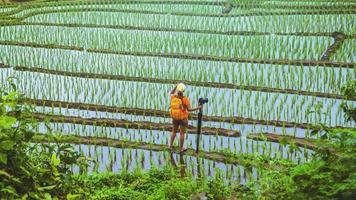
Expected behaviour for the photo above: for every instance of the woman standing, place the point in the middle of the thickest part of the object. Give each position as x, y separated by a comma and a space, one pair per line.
180, 108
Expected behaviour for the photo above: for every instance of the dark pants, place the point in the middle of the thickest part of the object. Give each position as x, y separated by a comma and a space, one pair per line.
179, 123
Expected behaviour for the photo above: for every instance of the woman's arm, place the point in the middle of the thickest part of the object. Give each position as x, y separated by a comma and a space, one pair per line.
186, 105
174, 89
194, 109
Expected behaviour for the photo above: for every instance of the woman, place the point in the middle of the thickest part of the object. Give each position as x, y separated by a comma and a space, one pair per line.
180, 106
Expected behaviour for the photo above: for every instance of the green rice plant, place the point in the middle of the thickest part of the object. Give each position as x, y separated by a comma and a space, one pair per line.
147, 45
99, 66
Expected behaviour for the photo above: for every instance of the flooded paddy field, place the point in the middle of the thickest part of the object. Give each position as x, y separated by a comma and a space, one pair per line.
98, 75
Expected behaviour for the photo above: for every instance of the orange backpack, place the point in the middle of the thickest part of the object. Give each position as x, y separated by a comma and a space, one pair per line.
177, 110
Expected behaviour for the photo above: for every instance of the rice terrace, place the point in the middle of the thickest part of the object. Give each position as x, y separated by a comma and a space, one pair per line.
178, 99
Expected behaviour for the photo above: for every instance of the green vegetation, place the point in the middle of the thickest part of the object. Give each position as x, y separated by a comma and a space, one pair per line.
34, 171
155, 184
84, 108
349, 91
330, 176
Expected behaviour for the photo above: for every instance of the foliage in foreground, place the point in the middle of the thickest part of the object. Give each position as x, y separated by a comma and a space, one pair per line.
332, 175
154, 184
349, 91
29, 171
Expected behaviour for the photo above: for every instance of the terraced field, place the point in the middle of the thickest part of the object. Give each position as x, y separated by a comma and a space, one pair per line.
100, 73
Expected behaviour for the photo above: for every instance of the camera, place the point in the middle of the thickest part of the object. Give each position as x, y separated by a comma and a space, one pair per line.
203, 100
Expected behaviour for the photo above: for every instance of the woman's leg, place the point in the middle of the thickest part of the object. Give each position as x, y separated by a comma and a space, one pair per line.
183, 126
181, 142
173, 134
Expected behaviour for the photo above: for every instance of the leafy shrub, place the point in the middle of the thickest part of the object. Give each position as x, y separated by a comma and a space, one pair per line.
35, 171
179, 189
331, 175
217, 189
156, 184
349, 91
118, 193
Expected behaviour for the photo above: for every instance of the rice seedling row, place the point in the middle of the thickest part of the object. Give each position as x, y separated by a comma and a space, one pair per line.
211, 15
136, 114
266, 23
313, 79
270, 4
4, 10
230, 158
170, 81
141, 160
239, 126
183, 8
324, 4
244, 126
217, 32
180, 43
285, 107
187, 7
301, 142
136, 145
347, 52
184, 56
266, 144
112, 159
129, 124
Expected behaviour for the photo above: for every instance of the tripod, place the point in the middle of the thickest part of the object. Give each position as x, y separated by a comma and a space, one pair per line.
200, 115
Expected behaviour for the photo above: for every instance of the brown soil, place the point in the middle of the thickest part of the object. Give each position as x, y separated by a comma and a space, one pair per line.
4, 66
339, 38
13, 1
302, 142
132, 124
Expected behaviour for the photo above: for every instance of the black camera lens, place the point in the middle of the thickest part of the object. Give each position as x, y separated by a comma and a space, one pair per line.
203, 100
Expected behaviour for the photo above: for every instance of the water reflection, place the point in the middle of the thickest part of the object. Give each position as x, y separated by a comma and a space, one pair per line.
181, 165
